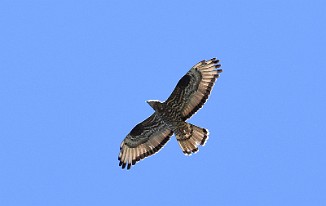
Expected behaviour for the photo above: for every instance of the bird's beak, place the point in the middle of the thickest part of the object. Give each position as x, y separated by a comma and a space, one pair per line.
150, 103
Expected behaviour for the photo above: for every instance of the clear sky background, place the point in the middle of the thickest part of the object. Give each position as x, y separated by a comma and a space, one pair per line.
74, 77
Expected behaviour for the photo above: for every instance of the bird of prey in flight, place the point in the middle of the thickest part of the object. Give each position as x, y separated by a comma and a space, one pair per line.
170, 116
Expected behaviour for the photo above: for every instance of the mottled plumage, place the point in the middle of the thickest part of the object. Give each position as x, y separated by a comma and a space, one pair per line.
189, 95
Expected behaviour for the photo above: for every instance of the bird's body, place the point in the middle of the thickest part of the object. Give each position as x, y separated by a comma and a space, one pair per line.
170, 116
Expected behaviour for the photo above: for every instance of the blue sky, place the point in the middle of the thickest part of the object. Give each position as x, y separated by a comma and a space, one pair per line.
74, 77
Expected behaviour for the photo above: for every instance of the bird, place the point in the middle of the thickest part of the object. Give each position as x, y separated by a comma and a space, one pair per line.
169, 117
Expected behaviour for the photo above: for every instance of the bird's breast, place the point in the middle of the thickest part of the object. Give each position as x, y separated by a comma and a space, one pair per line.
171, 117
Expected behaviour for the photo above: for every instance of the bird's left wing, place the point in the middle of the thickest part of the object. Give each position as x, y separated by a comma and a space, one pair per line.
144, 140
193, 88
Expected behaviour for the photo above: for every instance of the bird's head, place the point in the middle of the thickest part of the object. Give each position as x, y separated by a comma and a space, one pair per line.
155, 104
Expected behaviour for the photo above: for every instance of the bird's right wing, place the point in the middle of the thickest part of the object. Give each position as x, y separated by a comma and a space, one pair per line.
144, 140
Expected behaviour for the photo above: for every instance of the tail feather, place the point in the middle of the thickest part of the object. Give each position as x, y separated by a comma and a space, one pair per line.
193, 137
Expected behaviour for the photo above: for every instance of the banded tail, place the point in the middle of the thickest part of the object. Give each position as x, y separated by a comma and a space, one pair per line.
191, 137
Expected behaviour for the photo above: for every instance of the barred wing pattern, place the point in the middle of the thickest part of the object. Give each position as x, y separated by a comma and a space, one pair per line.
193, 89
144, 140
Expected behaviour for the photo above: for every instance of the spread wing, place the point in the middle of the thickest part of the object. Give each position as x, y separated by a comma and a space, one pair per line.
145, 139
193, 88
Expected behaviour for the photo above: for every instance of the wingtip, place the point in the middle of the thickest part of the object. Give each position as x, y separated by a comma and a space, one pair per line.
215, 61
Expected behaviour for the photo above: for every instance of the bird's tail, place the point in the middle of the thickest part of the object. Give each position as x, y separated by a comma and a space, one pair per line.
190, 137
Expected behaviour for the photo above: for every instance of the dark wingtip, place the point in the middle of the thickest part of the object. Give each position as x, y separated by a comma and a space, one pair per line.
217, 66
142, 156
215, 61
194, 150
186, 152
138, 158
